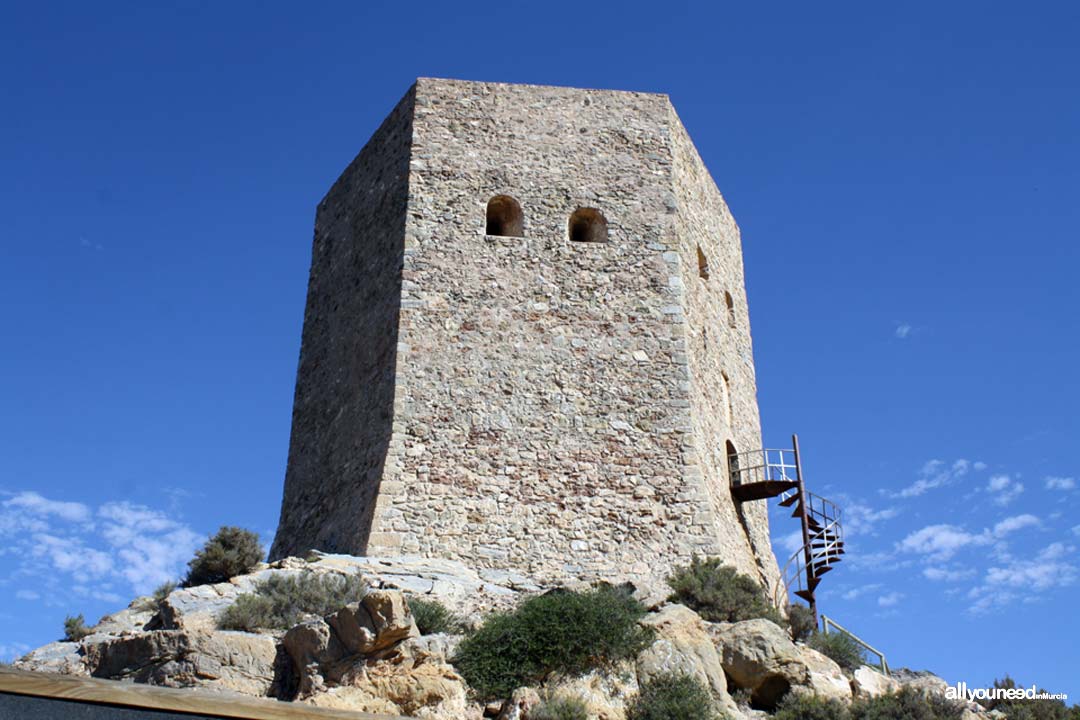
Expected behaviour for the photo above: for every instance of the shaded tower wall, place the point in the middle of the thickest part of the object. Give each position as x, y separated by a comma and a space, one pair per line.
343, 408
550, 413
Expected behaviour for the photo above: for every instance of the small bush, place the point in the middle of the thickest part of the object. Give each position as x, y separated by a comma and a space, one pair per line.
801, 622
154, 600
561, 631
232, 551
560, 708
840, 647
1042, 709
75, 628
673, 697
280, 601
431, 617
907, 704
720, 594
798, 706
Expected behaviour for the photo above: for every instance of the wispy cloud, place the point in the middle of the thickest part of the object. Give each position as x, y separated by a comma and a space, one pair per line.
1025, 580
37, 506
1014, 523
941, 542
862, 590
1061, 484
57, 546
1003, 489
903, 330
941, 574
890, 600
937, 473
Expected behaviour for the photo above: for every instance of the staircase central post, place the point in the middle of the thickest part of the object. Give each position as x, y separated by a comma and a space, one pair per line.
808, 552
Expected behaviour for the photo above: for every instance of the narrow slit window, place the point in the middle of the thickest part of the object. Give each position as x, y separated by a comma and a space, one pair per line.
588, 225
726, 384
702, 265
730, 302
504, 217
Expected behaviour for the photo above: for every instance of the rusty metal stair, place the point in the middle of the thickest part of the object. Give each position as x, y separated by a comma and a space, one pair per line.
768, 473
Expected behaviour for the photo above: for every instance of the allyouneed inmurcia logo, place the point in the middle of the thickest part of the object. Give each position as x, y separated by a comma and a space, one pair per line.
962, 692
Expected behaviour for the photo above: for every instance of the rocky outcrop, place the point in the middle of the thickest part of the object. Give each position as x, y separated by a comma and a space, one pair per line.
760, 657
868, 682
683, 646
369, 656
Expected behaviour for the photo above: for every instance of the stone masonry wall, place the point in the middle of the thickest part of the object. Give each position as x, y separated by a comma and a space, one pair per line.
552, 414
720, 353
344, 403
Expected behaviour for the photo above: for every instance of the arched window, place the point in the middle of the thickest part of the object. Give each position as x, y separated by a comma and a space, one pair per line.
702, 265
732, 463
504, 217
588, 225
730, 302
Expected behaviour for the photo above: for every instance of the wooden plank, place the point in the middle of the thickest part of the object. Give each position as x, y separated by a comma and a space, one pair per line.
150, 697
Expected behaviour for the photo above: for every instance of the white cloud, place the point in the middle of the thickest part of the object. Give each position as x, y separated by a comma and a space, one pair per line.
1025, 580
37, 505
936, 473
1014, 523
13, 651
890, 599
903, 330
791, 542
856, 592
1003, 489
1060, 483
67, 547
860, 519
948, 575
941, 542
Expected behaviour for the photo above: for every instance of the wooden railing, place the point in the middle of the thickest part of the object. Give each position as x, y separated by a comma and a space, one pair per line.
42, 695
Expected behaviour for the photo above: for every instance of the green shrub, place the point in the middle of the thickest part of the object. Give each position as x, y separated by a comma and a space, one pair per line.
154, 600
431, 617
797, 706
1042, 709
281, 600
560, 708
560, 631
75, 628
840, 647
232, 551
801, 622
673, 697
720, 594
907, 704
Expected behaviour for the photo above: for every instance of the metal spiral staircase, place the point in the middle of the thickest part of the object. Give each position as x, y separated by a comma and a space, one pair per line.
767, 473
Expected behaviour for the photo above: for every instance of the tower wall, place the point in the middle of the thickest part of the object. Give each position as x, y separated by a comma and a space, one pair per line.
551, 413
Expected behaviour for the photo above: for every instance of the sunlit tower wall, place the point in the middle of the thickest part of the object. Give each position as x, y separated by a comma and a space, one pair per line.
526, 344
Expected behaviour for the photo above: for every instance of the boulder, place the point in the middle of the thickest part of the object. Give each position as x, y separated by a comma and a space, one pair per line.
377, 622
683, 646
311, 646
868, 682
519, 704
824, 678
423, 689
760, 657
236, 661
606, 693
61, 658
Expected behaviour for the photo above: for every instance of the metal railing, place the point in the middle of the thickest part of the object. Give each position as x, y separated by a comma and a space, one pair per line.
767, 464
827, 622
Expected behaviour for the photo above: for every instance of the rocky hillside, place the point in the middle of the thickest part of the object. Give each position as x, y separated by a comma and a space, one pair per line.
370, 655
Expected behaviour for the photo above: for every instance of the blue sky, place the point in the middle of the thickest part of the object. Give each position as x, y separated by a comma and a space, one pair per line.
905, 177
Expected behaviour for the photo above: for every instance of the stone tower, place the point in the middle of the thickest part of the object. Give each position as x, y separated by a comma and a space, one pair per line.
526, 343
